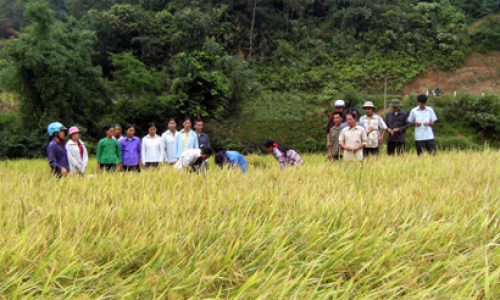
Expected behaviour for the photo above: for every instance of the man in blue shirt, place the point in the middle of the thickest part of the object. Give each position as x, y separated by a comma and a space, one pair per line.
423, 118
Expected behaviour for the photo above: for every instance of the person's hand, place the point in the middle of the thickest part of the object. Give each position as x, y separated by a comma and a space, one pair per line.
329, 157
143, 165
396, 130
120, 167
391, 132
418, 124
380, 141
64, 172
426, 123
370, 130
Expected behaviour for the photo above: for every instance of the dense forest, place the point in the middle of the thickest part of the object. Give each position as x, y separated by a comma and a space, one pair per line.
280, 61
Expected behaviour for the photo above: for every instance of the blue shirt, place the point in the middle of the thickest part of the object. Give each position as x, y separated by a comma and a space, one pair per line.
131, 151
58, 157
193, 142
423, 133
236, 159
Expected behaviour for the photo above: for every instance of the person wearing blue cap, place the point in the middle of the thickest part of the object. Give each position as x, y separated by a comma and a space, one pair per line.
56, 150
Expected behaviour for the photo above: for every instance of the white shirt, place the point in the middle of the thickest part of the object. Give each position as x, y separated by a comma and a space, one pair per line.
152, 149
77, 164
187, 160
423, 132
170, 143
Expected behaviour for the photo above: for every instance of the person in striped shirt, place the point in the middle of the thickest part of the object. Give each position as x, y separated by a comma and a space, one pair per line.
285, 157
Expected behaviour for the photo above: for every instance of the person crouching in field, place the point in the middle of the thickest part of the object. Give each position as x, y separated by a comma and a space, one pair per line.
130, 147
232, 159
283, 155
353, 139
193, 159
56, 150
77, 153
108, 151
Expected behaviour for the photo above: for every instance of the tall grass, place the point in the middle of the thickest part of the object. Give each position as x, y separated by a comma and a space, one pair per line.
394, 228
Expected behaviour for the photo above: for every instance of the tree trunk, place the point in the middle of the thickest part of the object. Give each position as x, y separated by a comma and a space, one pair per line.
251, 28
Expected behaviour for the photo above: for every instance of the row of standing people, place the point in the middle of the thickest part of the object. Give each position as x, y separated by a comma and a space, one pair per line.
353, 140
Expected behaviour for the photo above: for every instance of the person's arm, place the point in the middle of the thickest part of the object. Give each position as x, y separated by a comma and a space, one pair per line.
382, 126
119, 155
364, 141
243, 163
196, 141
432, 120
85, 159
405, 126
143, 151
73, 163
99, 155
413, 121
178, 148
51, 155
208, 140
163, 155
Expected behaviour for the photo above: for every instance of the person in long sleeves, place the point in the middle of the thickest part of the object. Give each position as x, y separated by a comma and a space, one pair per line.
192, 160
232, 159
153, 150
186, 138
56, 150
397, 124
203, 138
109, 155
284, 155
131, 149
77, 153
170, 142
353, 139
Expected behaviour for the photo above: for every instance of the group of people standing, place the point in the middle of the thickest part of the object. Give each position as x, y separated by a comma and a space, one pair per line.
184, 149
349, 137
353, 140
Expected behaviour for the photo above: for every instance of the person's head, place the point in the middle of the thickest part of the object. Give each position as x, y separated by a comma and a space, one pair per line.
56, 131
395, 104
339, 106
206, 152
269, 145
422, 101
118, 129
221, 159
369, 108
152, 129
187, 124
109, 130
74, 133
172, 125
337, 118
198, 125
130, 131
351, 119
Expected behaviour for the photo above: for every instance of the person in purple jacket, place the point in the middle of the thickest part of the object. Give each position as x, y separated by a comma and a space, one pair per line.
56, 150
131, 150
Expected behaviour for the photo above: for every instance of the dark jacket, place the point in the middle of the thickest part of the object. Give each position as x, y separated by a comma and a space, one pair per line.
400, 121
203, 140
58, 157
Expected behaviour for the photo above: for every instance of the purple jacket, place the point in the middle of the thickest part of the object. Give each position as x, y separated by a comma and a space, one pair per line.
58, 158
131, 151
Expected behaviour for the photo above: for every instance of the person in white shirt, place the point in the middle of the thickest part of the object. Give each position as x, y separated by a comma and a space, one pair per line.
375, 129
118, 132
170, 142
423, 118
353, 139
152, 152
193, 160
78, 156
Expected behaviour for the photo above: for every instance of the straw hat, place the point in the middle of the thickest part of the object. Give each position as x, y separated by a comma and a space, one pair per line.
368, 104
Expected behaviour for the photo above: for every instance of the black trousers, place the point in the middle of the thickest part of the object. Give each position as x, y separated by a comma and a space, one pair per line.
370, 152
336, 157
135, 168
109, 167
152, 164
427, 145
396, 147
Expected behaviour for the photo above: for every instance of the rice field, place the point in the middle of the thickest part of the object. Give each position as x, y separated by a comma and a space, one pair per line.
391, 228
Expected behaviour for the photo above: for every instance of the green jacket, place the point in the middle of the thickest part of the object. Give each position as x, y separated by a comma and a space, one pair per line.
108, 152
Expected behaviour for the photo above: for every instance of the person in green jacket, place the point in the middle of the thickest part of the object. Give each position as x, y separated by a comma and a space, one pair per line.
108, 152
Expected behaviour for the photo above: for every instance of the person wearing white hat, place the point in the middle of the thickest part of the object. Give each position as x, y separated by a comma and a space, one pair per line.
77, 153
339, 106
375, 128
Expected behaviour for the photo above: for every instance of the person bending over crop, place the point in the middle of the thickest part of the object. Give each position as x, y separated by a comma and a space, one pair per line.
232, 159
192, 159
283, 155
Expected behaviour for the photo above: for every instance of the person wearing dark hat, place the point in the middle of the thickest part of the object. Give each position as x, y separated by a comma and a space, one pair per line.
375, 129
423, 118
397, 124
